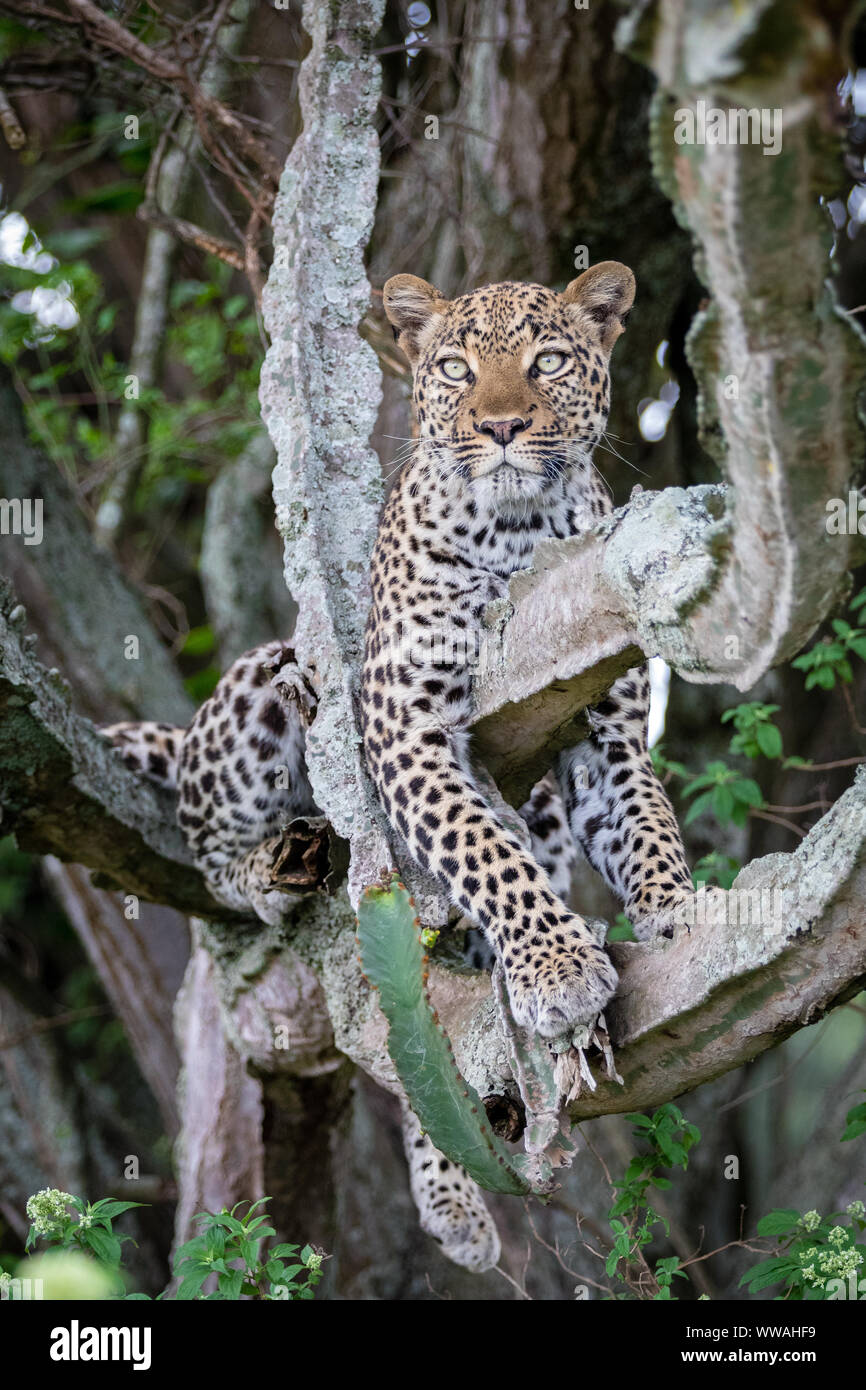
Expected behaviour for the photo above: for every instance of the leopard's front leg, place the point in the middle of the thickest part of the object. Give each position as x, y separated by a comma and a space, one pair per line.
620, 814
557, 976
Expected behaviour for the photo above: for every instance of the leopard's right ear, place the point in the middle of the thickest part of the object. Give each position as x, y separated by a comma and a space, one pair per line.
413, 307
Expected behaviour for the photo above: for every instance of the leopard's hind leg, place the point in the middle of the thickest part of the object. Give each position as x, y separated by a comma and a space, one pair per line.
243, 777
619, 811
450, 1206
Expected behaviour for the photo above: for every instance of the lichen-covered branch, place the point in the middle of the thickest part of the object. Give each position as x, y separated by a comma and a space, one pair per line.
65, 792
791, 946
320, 390
723, 583
778, 367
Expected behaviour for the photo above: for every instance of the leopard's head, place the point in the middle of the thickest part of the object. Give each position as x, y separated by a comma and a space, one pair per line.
511, 384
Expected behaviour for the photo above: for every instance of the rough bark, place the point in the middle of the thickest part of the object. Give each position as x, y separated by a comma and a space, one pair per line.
320, 418
139, 961
779, 368
65, 792
219, 1156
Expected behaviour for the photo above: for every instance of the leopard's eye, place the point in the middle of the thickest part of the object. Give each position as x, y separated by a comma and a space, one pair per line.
455, 368
548, 362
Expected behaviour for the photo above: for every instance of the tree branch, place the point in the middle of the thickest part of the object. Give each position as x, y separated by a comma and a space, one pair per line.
65, 791
320, 420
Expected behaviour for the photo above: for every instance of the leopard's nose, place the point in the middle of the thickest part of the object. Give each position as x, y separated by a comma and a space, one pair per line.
503, 431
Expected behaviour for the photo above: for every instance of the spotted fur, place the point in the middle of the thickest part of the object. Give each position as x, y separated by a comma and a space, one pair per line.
239, 772
511, 394
151, 749
450, 1205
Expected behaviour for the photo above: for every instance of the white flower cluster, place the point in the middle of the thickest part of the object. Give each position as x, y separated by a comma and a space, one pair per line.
47, 1209
837, 1263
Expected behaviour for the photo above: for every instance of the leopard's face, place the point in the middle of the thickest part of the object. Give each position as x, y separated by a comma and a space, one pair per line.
511, 383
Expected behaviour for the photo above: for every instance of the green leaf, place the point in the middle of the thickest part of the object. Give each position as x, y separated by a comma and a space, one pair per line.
191, 1285
108, 1207
230, 1285
103, 1244
622, 929
698, 807
698, 782
778, 1222
229, 1223
200, 641
722, 803
769, 740
748, 792
768, 1272
121, 196
855, 1123
202, 684
250, 1252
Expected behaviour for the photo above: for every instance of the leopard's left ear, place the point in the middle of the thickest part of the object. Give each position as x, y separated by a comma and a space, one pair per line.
599, 300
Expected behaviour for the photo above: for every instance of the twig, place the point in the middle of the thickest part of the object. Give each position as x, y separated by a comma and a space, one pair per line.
827, 767
443, 120
513, 1282
208, 111
778, 820
44, 1025
192, 235
555, 1251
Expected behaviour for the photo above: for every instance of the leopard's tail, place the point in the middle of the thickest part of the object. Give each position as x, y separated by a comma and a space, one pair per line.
150, 749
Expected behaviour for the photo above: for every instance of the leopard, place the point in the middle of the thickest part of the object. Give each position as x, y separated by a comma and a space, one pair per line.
510, 396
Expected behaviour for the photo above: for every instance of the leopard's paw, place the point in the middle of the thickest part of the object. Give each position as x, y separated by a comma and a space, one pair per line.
272, 906
464, 1228
450, 1206
560, 986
